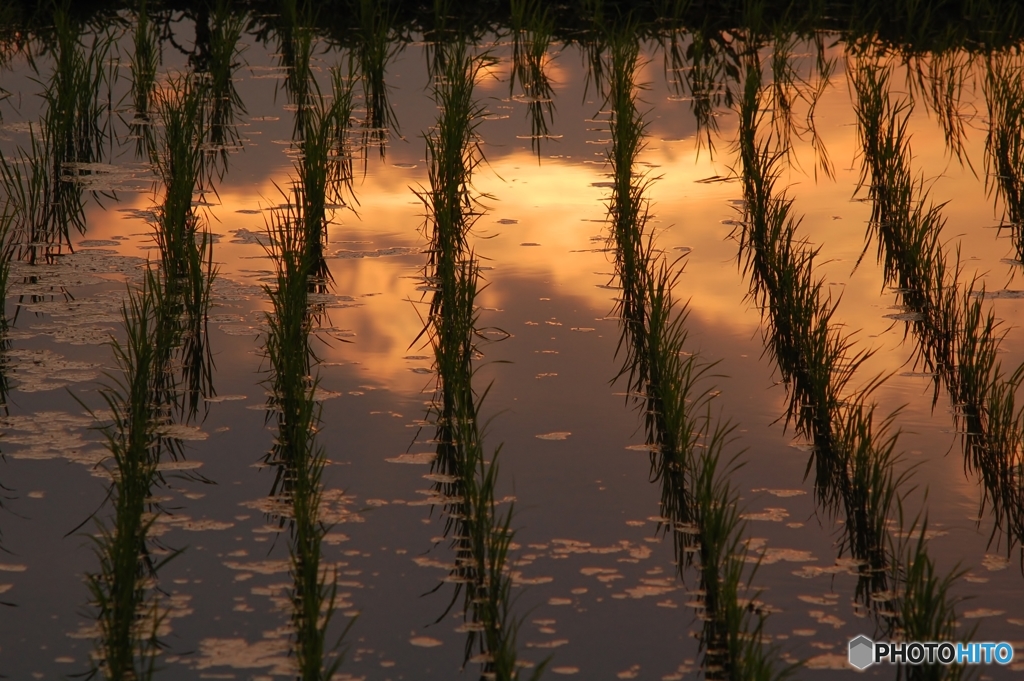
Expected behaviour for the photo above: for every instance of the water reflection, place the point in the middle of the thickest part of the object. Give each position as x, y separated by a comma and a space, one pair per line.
555, 207
465, 479
375, 46
123, 590
854, 451
532, 29
699, 504
186, 248
956, 337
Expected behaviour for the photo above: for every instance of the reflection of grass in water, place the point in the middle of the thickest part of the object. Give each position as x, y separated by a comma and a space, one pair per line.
6, 254
687, 441
936, 79
532, 27
957, 337
926, 607
225, 103
144, 60
856, 453
298, 457
701, 70
481, 534
127, 611
325, 166
39, 182
7, 217
372, 52
186, 249
31, 197
1004, 148
298, 234
71, 124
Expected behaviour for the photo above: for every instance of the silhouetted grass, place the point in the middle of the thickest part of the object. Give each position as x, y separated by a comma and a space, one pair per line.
375, 47
298, 457
687, 441
956, 336
855, 450
532, 27
127, 610
481, 533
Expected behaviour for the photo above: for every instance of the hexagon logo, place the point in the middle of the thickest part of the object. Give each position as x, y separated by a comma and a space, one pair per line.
862, 652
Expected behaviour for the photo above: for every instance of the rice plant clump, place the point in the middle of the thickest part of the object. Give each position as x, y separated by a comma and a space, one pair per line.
482, 534
126, 607
687, 441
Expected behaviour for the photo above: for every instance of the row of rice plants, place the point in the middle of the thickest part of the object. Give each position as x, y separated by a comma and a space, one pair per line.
123, 590
1004, 148
466, 477
688, 441
297, 233
532, 28
39, 182
956, 337
297, 456
186, 247
166, 316
854, 451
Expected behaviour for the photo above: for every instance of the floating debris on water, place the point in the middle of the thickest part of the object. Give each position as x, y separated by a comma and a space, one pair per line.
420, 458
425, 642
982, 612
782, 493
994, 563
774, 515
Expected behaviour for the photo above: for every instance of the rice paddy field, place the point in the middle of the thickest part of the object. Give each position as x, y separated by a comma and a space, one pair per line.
509, 340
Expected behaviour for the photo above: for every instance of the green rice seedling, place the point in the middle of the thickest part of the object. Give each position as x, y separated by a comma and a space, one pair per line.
481, 535
127, 611
956, 337
374, 50
686, 441
298, 457
874, 494
1004, 151
732, 641
144, 62
926, 606
532, 29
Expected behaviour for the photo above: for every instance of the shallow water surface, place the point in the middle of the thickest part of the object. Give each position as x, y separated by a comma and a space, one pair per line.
487, 479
